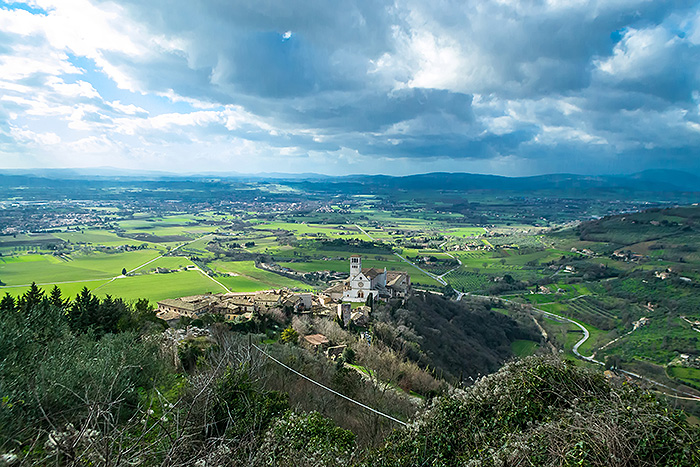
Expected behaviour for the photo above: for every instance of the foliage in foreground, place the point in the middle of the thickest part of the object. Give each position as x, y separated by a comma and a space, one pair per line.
545, 412
74, 393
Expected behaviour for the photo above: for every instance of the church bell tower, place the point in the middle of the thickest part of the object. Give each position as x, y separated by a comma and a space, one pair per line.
355, 265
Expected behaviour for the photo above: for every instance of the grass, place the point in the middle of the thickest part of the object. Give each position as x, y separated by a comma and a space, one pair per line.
80, 267
689, 376
156, 287
244, 284
69, 290
250, 277
97, 237
169, 262
466, 231
523, 348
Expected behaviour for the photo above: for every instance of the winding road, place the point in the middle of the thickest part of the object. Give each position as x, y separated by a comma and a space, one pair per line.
558, 318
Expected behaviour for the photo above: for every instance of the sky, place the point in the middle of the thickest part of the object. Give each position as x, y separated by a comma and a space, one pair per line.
504, 87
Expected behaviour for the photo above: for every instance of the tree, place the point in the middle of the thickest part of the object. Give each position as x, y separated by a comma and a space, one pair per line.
109, 312
289, 335
83, 311
8, 304
56, 299
348, 355
31, 298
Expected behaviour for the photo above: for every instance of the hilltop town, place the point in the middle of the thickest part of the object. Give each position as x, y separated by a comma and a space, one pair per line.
364, 285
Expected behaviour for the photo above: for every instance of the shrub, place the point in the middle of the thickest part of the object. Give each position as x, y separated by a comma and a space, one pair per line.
306, 440
289, 336
545, 412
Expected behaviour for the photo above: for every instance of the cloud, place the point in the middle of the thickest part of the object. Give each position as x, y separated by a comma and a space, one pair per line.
308, 85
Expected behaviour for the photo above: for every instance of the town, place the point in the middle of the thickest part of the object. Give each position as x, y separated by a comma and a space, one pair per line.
363, 287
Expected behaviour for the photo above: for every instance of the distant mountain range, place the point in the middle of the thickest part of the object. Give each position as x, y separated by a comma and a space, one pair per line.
647, 181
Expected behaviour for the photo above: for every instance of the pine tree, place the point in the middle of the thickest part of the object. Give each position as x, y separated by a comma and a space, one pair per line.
108, 315
84, 310
31, 298
56, 299
8, 304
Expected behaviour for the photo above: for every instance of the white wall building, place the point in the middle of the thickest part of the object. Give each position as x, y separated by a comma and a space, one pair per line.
364, 282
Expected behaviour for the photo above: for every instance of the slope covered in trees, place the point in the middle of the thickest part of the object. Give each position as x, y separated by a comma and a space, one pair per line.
456, 338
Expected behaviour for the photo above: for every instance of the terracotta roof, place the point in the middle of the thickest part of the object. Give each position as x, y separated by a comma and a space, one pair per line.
394, 278
267, 297
168, 315
316, 339
336, 288
238, 301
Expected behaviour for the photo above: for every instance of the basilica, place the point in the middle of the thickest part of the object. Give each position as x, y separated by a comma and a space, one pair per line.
379, 283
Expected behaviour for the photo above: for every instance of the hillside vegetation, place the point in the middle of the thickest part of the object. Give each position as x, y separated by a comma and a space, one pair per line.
544, 412
97, 382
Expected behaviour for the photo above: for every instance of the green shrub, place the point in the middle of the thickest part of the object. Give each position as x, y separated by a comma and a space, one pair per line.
306, 440
544, 412
289, 335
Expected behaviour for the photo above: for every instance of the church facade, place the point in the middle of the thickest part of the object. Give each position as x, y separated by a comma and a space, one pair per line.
379, 283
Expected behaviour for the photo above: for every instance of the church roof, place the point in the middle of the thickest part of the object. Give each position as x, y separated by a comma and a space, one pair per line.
394, 277
371, 273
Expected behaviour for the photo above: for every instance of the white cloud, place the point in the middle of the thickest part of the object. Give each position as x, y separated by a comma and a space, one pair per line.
77, 89
31, 137
129, 109
640, 53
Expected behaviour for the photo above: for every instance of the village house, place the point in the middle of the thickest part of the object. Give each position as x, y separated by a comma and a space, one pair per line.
298, 303
315, 342
266, 301
192, 307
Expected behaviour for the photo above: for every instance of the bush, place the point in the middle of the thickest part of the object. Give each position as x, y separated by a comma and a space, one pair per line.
349, 355
289, 336
545, 412
306, 440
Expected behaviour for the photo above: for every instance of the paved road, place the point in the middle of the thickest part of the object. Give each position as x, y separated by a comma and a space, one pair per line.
459, 261
591, 359
559, 318
365, 232
437, 278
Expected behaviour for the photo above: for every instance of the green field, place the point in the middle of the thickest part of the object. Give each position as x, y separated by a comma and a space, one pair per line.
690, 376
96, 237
78, 266
250, 278
156, 287
69, 289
